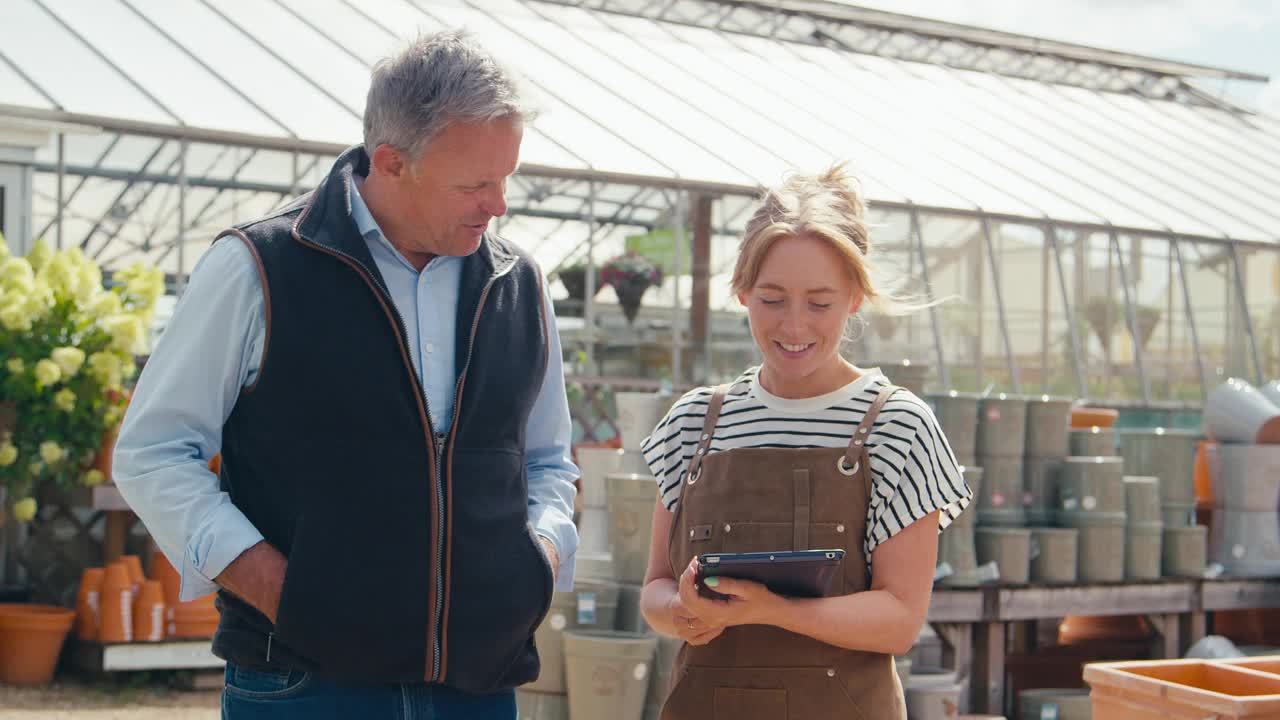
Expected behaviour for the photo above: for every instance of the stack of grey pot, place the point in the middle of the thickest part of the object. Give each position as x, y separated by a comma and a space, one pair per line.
1244, 466
1053, 550
957, 414
1002, 428
906, 374
1048, 419
1169, 455
597, 631
1144, 528
1246, 495
1001, 536
1091, 499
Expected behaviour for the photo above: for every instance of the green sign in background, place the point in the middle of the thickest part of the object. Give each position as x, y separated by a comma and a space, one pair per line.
659, 247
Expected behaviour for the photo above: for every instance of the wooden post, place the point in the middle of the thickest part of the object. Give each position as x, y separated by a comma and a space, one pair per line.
988, 667
957, 655
1168, 627
114, 534
700, 301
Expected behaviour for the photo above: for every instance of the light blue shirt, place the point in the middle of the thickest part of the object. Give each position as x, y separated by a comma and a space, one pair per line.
212, 347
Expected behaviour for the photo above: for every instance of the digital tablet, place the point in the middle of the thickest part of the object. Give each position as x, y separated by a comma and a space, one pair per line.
794, 573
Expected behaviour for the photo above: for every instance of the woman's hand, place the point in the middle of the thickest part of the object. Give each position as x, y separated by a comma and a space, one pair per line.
689, 627
745, 603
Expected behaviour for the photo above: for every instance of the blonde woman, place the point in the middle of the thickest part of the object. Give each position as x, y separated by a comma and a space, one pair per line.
806, 451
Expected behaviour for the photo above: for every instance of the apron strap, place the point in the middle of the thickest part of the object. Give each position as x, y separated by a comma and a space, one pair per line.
708, 429
856, 452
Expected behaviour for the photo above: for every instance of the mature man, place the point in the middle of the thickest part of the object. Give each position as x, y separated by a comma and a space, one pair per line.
383, 379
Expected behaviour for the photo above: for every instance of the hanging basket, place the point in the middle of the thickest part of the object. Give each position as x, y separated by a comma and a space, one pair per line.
574, 280
629, 296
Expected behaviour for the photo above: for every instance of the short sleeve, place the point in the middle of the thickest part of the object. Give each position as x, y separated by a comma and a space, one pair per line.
670, 446
915, 472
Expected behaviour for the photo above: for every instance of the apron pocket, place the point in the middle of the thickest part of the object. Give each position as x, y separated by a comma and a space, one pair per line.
761, 693
750, 704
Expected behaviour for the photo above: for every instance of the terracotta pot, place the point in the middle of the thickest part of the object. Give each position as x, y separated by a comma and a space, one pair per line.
133, 564
31, 638
170, 581
149, 622
1085, 417
1203, 479
195, 619
89, 603
116, 616
1081, 628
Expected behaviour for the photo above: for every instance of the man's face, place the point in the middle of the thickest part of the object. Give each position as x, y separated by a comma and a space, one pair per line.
447, 196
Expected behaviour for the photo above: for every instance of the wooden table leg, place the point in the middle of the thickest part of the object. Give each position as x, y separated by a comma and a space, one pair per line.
1169, 629
113, 536
957, 654
988, 668
1193, 630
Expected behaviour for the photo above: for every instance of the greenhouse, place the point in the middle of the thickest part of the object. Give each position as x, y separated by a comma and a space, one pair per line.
1090, 236
1097, 223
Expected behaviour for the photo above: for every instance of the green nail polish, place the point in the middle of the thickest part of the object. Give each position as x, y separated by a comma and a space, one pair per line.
712, 582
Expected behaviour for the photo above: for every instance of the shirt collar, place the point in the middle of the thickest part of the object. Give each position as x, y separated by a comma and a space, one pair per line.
368, 226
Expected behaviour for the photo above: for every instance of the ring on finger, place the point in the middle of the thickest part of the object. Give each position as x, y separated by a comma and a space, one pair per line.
690, 621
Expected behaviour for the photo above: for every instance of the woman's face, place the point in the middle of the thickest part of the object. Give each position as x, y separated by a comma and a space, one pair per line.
797, 311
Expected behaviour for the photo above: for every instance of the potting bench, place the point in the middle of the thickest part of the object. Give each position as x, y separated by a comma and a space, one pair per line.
976, 624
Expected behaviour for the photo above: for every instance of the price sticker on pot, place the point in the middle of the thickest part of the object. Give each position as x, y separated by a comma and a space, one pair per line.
1089, 502
640, 671
1049, 711
1028, 498
993, 414
997, 499
558, 621
586, 608
1070, 503
1237, 552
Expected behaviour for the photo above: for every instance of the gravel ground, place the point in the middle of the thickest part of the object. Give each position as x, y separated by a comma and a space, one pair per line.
126, 698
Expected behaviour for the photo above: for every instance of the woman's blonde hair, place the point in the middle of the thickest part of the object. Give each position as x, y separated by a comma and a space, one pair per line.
828, 207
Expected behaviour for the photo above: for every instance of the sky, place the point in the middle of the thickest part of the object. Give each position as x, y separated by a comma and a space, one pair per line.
1235, 34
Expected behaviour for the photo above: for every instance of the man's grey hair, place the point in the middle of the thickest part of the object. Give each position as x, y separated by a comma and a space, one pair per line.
438, 79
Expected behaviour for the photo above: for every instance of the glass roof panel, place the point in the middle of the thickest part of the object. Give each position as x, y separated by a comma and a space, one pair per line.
273, 86
164, 69
69, 70
1132, 163
594, 100
826, 117
310, 54
14, 90
365, 34
631, 95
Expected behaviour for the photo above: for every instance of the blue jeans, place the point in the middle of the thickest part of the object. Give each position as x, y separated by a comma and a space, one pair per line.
254, 695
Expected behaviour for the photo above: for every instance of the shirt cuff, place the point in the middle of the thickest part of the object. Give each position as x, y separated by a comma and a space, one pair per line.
224, 536
563, 535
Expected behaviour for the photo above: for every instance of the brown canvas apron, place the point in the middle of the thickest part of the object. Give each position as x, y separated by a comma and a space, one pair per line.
768, 499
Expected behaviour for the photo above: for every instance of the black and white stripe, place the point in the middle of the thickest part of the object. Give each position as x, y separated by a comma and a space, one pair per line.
914, 469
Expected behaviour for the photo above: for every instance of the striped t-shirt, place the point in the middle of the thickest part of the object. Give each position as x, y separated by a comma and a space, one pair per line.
913, 469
